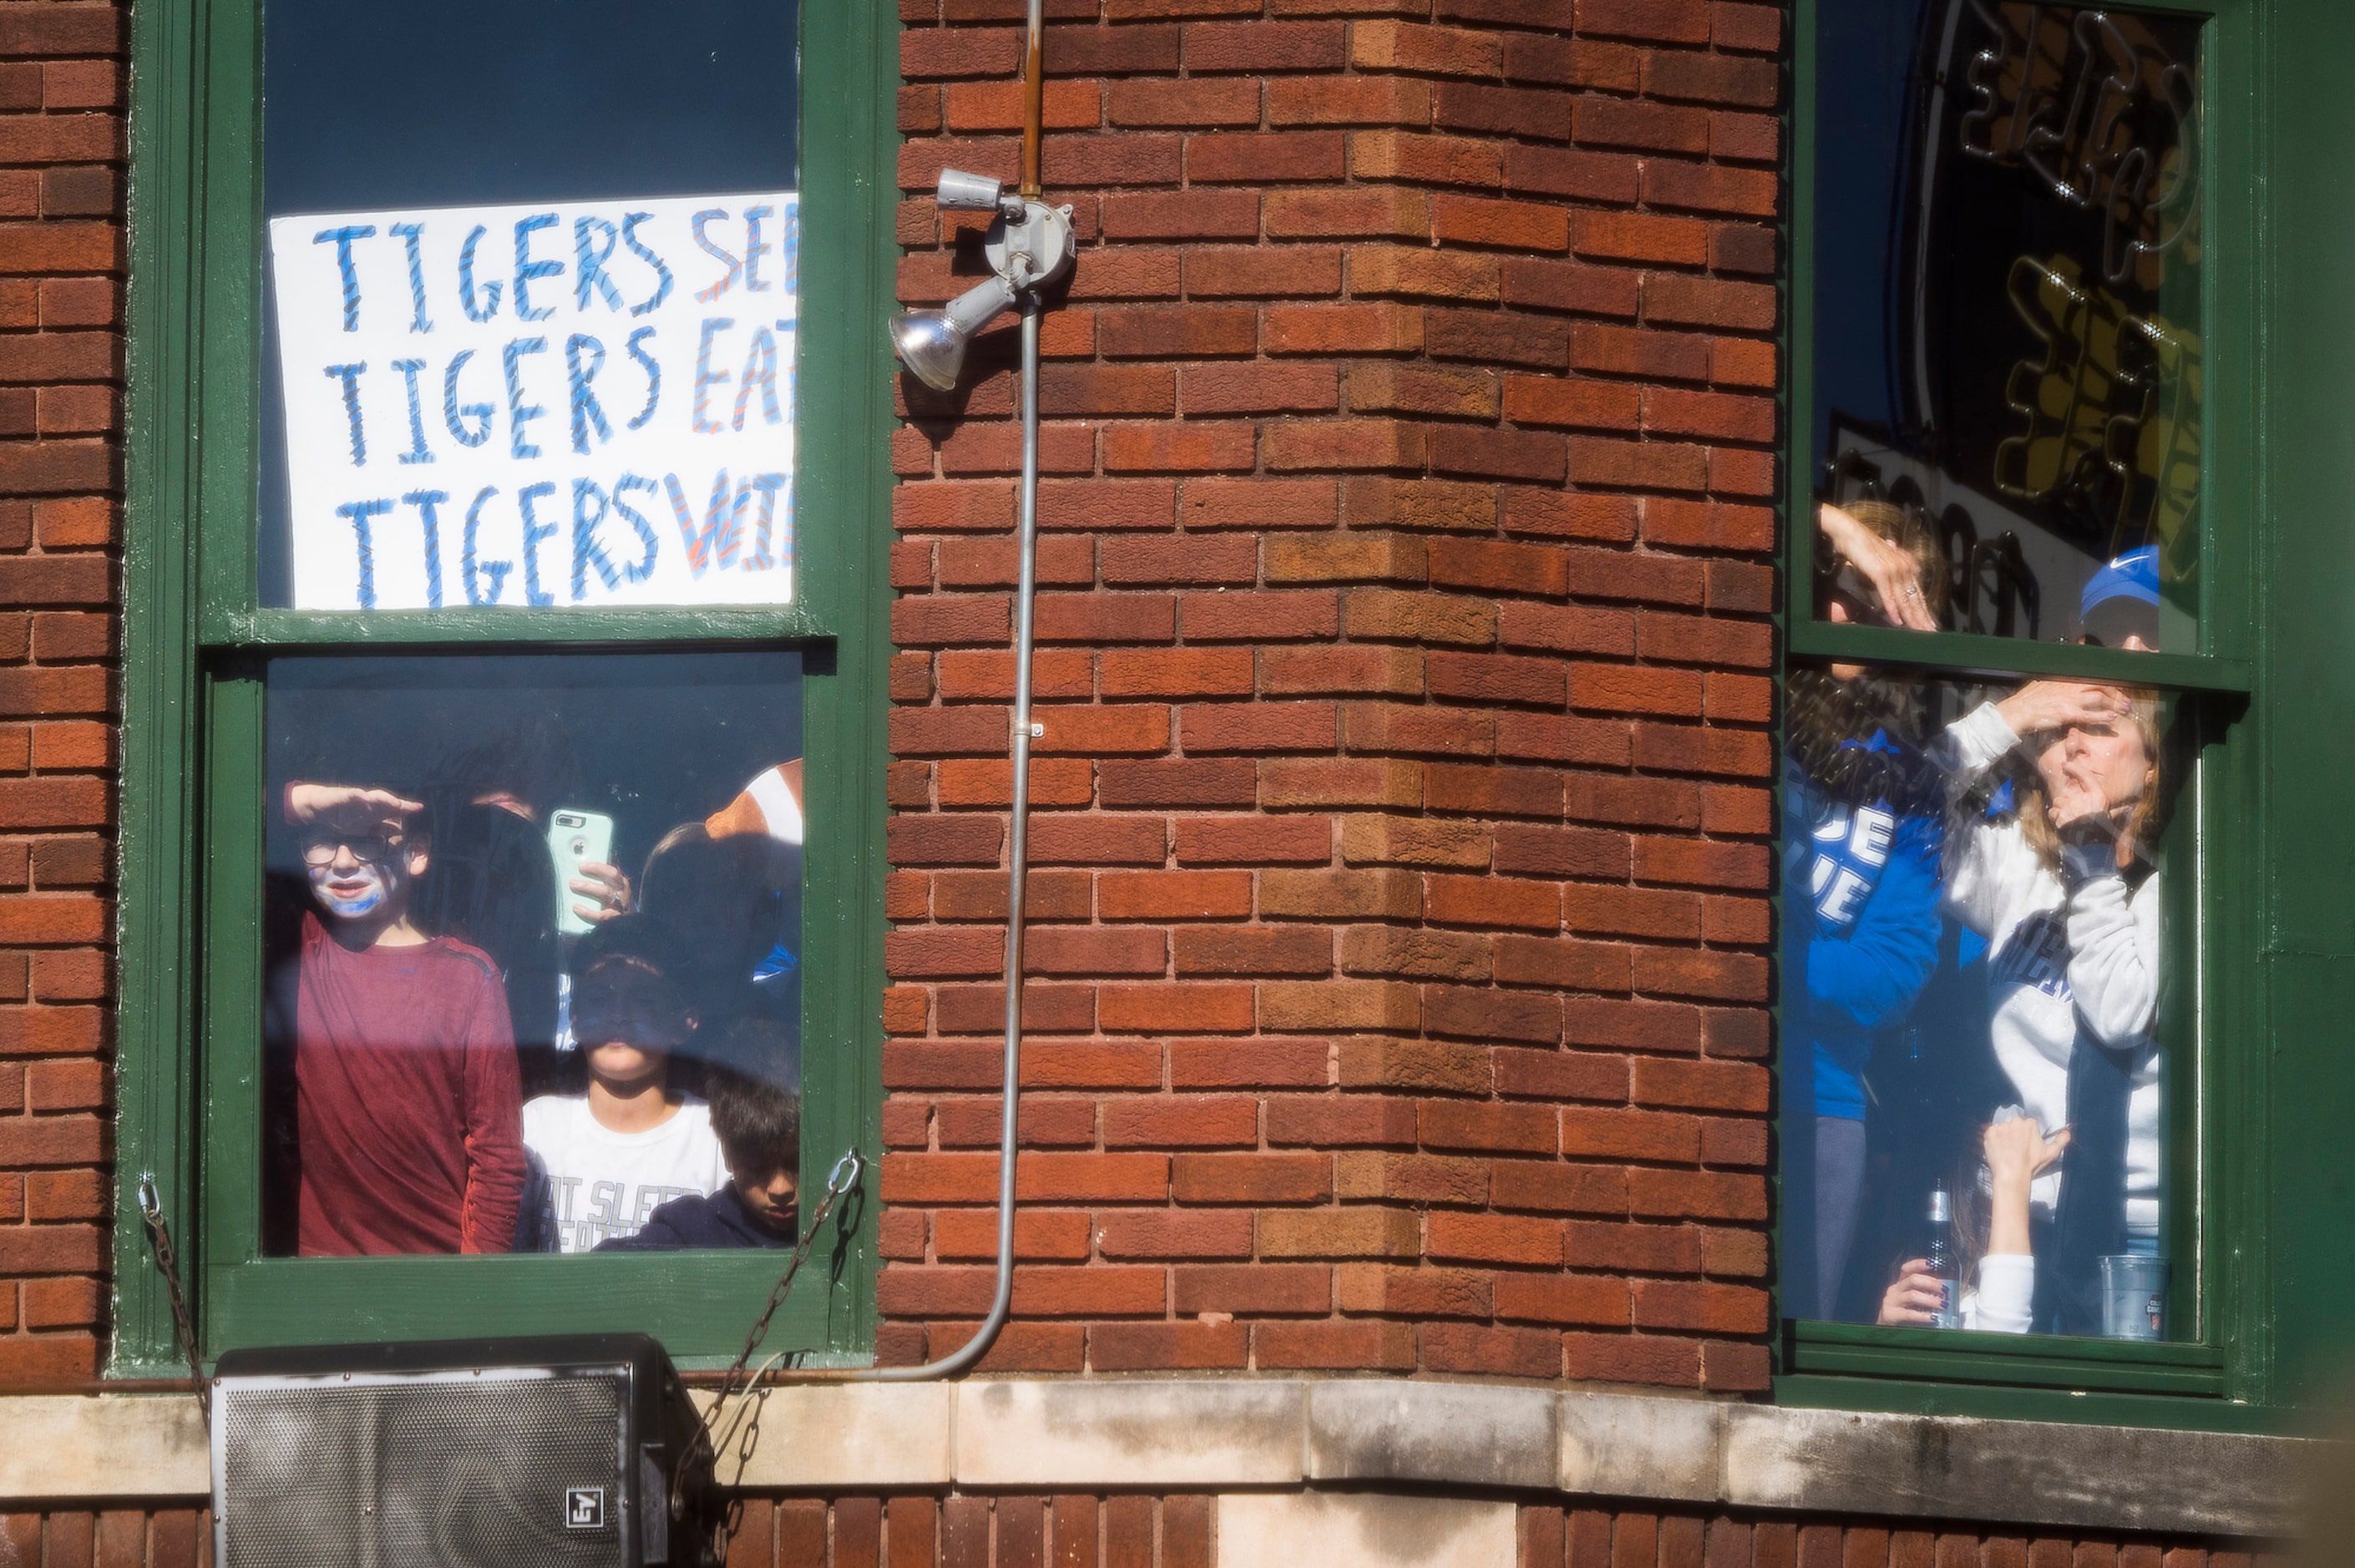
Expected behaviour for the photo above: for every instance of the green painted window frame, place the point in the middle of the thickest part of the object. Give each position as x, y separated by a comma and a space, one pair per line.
2217, 1379
194, 642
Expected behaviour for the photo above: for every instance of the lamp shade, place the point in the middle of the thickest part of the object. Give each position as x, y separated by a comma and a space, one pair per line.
932, 344
932, 349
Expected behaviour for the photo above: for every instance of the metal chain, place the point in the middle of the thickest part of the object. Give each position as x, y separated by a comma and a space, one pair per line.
159, 1238
737, 1383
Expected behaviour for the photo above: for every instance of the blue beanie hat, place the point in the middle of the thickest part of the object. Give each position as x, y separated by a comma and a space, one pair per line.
2133, 575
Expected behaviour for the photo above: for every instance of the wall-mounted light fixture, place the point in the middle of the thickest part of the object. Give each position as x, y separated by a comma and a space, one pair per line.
1029, 246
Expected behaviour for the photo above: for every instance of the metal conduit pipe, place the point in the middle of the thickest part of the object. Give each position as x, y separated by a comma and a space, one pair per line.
1028, 245
1017, 845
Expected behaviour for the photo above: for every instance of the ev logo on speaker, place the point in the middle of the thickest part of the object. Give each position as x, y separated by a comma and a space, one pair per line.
584, 1508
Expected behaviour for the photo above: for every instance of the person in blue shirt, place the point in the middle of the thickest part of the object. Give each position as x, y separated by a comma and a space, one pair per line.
759, 1125
1862, 826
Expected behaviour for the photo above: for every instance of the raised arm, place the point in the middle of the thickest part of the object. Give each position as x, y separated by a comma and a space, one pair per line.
1977, 851
2017, 1153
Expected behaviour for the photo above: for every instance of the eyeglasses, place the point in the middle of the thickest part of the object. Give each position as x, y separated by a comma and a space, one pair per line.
319, 849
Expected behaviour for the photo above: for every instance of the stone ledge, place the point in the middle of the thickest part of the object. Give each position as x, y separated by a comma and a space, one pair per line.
1207, 1433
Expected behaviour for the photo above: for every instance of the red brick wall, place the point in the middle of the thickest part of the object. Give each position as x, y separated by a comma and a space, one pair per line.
1401, 843
117, 1538
1082, 1531
60, 366
1552, 1538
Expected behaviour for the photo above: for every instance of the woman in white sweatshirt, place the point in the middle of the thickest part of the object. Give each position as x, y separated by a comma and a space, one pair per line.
2053, 870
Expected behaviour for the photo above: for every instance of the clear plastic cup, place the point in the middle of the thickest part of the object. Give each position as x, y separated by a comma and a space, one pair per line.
2134, 1296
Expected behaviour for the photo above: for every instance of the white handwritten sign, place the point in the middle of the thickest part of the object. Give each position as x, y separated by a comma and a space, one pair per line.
585, 402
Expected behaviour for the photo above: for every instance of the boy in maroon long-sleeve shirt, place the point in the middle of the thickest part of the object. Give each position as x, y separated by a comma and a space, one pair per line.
408, 1103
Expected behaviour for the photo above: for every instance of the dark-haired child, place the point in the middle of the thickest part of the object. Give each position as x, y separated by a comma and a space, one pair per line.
632, 1143
759, 1126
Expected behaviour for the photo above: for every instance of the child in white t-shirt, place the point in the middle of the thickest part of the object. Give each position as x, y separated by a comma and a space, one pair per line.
632, 1143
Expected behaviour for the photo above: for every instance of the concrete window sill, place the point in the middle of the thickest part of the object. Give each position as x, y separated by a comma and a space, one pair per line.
1213, 1435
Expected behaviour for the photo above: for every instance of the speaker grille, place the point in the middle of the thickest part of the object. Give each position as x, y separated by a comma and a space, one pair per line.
458, 1471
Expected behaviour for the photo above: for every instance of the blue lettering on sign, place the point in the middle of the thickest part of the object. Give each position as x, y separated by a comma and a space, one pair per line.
589, 266
526, 268
768, 485
416, 451
645, 567
482, 413
533, 531
704, 374
630, 222
653, 374
489, 306
520, 413
341, 238
755, 246
703, 243
586, 414
615, 536
350, 376
409, 233
722, 522
469, 573
586, 551
358, 512
760, 369
425, 500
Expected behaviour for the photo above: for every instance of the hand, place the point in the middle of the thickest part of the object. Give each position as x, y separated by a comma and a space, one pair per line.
606, 888
2018, 1151
2042, 706
1916, 1296
1893, 572
2078, 801
349, 803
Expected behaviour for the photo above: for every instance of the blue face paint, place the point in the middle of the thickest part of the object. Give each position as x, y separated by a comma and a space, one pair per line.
377, 887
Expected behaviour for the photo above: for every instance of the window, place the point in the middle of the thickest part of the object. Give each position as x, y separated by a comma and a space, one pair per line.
502, 803
456, 906
2014, 713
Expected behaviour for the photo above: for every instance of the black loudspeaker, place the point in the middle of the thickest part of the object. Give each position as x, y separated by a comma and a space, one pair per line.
555, 1451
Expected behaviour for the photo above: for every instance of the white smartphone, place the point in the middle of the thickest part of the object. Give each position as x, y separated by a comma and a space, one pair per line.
574, 838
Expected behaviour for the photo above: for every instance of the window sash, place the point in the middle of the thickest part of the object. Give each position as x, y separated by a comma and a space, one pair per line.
2195, 1362
2228, 482
1970, 654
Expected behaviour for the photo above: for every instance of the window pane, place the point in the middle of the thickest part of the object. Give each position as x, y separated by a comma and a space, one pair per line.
2007, 299
1979, 994
569, 342
533, 937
